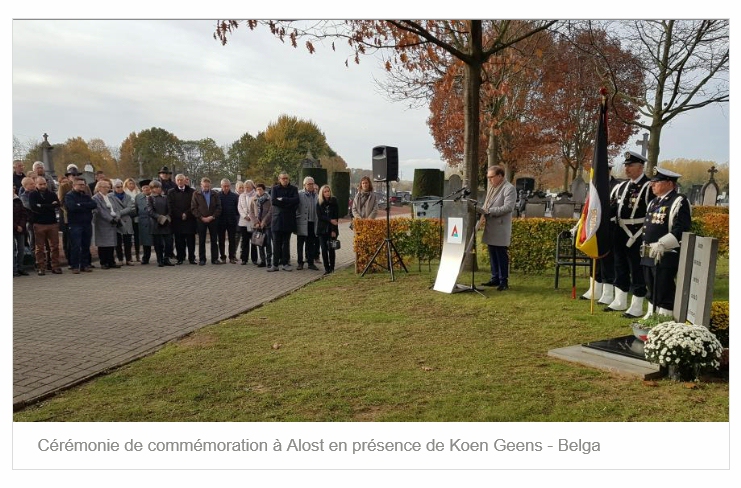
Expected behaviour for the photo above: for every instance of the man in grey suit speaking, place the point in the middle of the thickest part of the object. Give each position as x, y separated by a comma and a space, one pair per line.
496, 214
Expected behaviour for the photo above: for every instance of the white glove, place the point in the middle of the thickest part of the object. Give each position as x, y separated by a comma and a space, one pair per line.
657, 249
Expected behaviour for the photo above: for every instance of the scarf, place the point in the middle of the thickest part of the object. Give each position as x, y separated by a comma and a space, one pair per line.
260, 201
106, 201
120, 196
492, 194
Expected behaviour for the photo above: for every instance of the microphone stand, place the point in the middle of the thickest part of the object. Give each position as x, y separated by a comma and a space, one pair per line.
471, 247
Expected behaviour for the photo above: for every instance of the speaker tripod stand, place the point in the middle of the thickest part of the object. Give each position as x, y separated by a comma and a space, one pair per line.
388, 244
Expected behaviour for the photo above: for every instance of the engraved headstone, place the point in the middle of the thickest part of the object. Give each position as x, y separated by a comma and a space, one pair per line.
695, 279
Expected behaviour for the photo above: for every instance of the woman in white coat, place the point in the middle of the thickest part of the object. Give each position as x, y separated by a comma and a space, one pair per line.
496, 212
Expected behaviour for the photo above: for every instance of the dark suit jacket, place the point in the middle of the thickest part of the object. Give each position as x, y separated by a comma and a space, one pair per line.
200, 209
180, 203
284, 210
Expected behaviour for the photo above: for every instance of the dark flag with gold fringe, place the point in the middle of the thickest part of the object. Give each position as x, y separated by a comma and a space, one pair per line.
593, 231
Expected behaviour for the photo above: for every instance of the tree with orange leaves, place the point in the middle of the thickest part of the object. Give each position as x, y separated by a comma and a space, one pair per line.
417, 46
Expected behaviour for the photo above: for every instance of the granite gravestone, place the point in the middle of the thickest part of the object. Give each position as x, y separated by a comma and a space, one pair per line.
578, 190
695, 279
710, 189
454, 183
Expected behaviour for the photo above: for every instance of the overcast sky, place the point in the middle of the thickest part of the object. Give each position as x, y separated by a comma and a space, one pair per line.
108, 78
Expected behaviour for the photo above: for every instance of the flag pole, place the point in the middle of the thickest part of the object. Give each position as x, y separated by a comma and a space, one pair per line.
594, 273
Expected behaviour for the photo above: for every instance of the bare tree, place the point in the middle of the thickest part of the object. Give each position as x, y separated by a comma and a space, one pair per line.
687, 67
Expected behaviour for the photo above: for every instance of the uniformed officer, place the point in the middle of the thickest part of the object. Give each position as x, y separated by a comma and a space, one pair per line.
629, 209
669, 214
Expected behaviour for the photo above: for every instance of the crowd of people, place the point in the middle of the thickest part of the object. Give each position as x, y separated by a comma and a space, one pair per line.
124, 220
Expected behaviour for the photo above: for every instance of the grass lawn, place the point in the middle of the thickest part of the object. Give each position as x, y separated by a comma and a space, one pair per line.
367, 349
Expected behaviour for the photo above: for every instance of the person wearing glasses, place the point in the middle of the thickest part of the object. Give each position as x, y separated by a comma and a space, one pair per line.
496, 215
284, 201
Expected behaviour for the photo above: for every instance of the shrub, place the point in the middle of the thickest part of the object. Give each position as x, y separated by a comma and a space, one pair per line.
414, 239
702, 210
719, 321
713, 225
533, 246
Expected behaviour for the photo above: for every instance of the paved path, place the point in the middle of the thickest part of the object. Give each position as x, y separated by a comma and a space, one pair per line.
68, 328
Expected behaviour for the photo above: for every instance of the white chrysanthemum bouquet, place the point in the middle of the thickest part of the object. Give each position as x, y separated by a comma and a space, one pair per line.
683, 346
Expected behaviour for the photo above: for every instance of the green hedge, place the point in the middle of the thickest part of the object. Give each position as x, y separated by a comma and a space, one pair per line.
533, 246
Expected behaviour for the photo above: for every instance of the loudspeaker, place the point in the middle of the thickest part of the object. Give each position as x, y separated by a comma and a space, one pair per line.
385, 163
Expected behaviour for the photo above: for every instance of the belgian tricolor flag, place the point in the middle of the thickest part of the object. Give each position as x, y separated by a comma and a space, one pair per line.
592, 237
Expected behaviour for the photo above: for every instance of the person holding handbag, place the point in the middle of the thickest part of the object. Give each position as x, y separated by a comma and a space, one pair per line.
261, 216
326, 227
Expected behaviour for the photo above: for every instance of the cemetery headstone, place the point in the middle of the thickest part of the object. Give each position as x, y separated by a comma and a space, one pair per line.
644, 144
579, 190
695, 279
710, 189
46, 158
454, 184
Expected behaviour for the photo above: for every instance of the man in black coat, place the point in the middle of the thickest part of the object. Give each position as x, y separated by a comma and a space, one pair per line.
80, 208
284, 200
228, 221
183, 222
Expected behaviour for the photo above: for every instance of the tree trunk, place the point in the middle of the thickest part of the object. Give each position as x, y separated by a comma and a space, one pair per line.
472, 98
654, 138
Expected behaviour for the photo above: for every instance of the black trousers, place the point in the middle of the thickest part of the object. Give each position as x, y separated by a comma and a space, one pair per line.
105, 254
183, 241
146, 254
213, 230
281, 247
663, 275
249, 251
628, 270
162, 246
308, 243
328, 253
123, 247
230, 231
137, 245
266, 250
